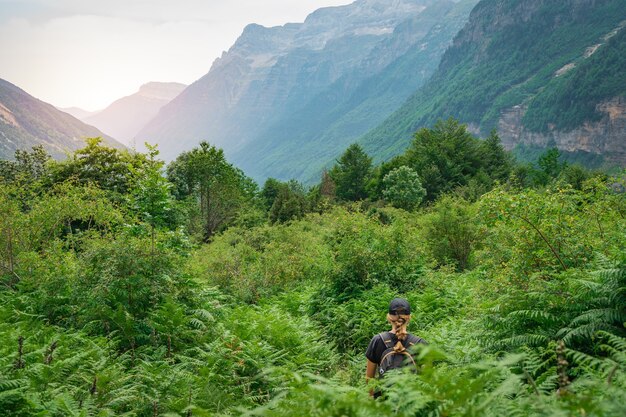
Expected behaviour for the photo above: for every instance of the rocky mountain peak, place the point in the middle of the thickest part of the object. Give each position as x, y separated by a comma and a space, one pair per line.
161, 91
363, 17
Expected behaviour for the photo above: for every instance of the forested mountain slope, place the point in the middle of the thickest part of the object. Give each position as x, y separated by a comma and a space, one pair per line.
544, 73
26, 122
314, 85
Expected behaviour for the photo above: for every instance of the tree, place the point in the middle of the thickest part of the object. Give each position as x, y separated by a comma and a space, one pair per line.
27, 167
498, 163
328, 188
549, 166
10, 219
351, 174
403, 188
218, 188
451, 232
445, 157
290, 202
270, 191
151, 196
26, 175
108, 168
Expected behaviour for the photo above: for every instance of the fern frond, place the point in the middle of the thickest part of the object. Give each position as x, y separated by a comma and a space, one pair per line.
583, 359
197, 324
583, 332
522, 340
535, 315
12, 384
605, 315
616, 342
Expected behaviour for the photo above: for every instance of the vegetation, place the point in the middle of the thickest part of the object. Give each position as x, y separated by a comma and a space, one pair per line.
185, 291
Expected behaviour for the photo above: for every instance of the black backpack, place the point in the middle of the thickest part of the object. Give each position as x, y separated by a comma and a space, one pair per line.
394, 360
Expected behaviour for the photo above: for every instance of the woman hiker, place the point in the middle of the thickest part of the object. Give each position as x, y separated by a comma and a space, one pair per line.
390, 350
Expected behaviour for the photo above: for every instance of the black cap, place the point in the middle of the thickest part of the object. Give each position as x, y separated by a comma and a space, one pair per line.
399, 306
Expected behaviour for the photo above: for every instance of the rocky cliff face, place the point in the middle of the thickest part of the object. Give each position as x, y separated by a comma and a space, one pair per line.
307, 139
605, 137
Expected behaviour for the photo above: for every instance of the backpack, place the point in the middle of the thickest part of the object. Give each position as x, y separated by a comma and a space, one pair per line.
391, 359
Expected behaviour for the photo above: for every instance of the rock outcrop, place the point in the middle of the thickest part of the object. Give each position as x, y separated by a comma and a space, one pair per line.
606, 137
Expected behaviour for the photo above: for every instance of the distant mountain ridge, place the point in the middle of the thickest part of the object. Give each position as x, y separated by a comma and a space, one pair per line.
125, 117
252, 100
77, 112
26, 122
543, 73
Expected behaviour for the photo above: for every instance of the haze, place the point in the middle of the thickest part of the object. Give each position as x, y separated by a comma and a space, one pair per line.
87, 53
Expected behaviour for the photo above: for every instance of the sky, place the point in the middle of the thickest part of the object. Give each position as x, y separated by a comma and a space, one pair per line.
88, 53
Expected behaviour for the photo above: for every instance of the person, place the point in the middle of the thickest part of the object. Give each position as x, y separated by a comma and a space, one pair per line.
390, 350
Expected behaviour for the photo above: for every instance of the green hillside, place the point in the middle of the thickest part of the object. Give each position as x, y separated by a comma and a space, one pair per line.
508, 55
572, 98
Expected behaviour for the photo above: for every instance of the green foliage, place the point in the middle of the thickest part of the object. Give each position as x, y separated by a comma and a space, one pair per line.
220, 189
452, 232
107, 168
447, 157
367, 252
106, 308
266, 259
289, 203
548, 230
574, 97
151, 197
269, 192
507, 56
403, 189
27, 168
549, 166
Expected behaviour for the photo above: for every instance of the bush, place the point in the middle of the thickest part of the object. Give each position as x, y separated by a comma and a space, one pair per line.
452, 232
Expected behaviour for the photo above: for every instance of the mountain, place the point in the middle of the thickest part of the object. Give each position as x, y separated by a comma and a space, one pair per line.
26, 121
285, 100
125, 117
77, 112
541, 72
304, 141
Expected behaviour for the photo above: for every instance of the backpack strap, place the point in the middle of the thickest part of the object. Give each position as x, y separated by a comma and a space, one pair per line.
387, 340
413, 340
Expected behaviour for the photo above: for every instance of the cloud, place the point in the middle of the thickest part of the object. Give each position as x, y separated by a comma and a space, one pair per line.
267, 12
93, 60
